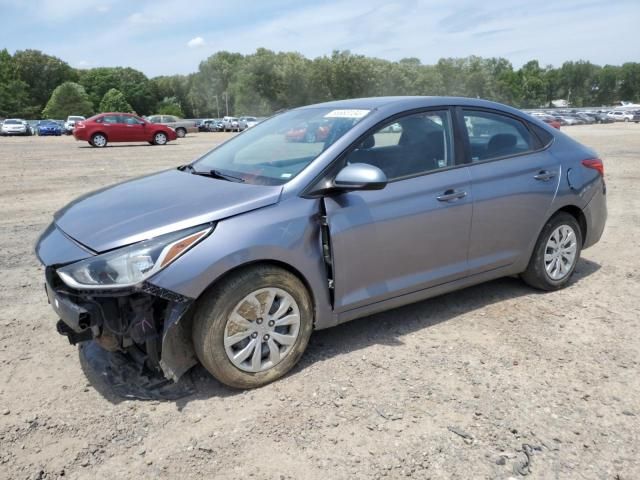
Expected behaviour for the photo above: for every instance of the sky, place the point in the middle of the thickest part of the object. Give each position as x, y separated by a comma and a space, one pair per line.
162, 37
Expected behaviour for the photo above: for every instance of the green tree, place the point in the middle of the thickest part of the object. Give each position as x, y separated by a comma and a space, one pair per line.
114, 101
630, 82
134, 85
68, 99
170, 106
175, 86
14, 93
42, 74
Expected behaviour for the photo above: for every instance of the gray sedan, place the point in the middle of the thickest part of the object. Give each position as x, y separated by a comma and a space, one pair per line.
233, 260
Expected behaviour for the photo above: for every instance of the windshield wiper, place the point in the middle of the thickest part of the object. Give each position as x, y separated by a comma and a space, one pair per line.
211, 173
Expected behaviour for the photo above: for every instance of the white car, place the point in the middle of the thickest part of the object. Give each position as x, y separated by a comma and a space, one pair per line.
230, 124
15, 126
71, 123
620, 116
248, 122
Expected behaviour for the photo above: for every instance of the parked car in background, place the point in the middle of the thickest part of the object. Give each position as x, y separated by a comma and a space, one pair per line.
15, 126
70, 123
103, 128
33, 126
588, 119
620, 115
49, 127
231, 124
181, 126
309, 132
234, 259
247, 122
546, 118
210, 125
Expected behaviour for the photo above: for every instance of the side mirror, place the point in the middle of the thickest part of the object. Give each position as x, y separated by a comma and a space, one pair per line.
360, 176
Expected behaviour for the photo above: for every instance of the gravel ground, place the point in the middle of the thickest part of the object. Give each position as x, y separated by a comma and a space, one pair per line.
495, 381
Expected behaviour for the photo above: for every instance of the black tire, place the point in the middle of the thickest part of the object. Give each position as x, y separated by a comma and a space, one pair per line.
95, 140
536, 275
214, 308
181, 132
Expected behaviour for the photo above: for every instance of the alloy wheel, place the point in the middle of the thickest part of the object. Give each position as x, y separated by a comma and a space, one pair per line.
262, 329
560, 252
99, 140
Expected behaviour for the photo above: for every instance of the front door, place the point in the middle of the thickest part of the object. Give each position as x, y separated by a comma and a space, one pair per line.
414, 233
134, 129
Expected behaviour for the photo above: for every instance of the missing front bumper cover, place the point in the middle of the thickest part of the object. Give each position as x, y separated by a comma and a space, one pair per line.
128, 379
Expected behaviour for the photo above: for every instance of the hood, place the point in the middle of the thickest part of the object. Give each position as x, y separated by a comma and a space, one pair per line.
146, 207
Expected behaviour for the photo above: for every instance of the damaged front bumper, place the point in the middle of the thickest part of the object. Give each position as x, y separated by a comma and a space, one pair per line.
150, 324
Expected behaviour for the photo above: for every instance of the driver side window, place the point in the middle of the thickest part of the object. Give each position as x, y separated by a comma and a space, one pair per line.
409, 146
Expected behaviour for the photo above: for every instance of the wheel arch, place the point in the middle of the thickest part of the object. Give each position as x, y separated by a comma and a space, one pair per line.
253, 263
578, 214
99, 132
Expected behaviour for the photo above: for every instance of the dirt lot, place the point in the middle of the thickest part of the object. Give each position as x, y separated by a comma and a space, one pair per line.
468, 385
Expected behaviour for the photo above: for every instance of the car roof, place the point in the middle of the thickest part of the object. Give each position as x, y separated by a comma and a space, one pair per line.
401, 103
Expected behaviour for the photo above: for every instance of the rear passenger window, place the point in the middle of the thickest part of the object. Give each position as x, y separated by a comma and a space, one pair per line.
409, 146
111, 119
545, 137
492, 135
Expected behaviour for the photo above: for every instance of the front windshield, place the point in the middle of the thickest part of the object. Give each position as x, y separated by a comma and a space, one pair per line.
276, 150
76, 119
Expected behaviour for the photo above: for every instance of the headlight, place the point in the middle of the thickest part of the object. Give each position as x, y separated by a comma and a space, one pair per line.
128, 266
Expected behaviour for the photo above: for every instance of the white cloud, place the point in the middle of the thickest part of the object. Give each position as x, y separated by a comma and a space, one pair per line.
196, 42
103, 8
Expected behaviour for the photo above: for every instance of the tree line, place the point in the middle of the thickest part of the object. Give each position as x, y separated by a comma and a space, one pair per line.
36, 85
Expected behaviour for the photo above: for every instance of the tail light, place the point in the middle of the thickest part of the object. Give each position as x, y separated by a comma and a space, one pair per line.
594, 163
79, 125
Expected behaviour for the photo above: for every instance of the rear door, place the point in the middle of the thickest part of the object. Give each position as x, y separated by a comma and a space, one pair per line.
514, 181
414, 233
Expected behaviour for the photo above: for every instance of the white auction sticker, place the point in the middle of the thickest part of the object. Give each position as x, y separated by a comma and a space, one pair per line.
346, 113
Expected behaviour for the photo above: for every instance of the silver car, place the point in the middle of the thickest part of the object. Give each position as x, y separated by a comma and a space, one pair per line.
181, 126
233, 260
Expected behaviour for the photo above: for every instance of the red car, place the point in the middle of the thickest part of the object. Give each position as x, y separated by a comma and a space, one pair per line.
308, 133
121, 127
553, 122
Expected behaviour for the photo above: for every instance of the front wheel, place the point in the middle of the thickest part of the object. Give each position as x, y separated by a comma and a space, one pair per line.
556, 254
253, 328
181, 132
160, 139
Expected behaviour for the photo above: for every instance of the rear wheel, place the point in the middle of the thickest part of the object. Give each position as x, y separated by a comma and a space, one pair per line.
181, 132
98, 140
160, 138
556, 253
253, 328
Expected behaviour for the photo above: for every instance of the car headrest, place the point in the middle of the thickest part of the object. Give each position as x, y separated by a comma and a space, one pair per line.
500, 141
413, 130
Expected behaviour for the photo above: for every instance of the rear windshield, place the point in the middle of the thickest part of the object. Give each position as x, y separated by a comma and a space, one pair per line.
12, 122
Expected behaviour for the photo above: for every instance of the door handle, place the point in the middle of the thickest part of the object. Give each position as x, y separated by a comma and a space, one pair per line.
544, 175
450, 194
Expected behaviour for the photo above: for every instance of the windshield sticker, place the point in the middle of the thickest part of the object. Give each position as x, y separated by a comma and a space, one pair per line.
346, 113
286, 175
